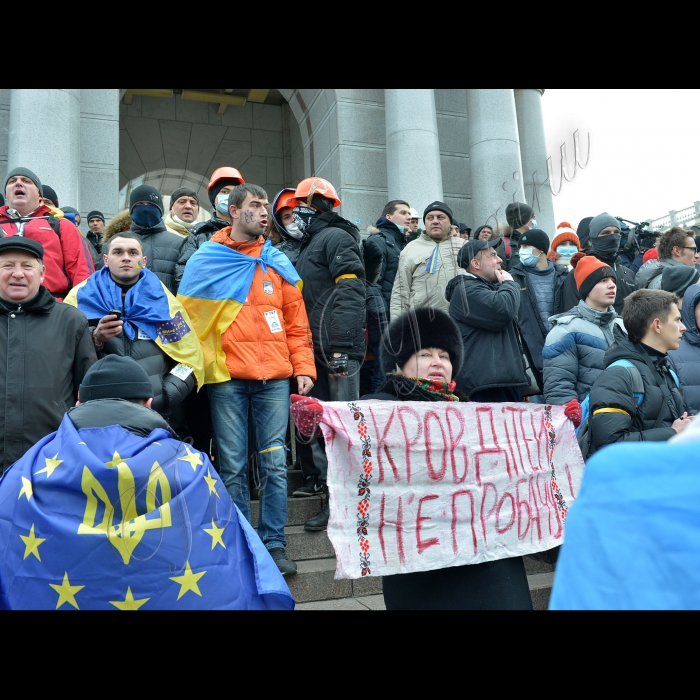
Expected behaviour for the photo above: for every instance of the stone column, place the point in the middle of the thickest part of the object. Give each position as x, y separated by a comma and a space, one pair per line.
99, 153
494, 155
412, 148
45, 137
533, 153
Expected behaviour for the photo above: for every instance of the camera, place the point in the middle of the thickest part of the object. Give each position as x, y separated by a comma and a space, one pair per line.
638, 235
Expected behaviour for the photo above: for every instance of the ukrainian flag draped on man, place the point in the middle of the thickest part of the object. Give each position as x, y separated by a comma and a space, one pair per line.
214, 288
100, 518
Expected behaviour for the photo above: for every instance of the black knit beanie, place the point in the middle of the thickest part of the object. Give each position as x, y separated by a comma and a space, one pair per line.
182, 192
537, 238
518, 214
145, 193
50, 193
422, 327
96, 215
116, 377
439, 206
214, 191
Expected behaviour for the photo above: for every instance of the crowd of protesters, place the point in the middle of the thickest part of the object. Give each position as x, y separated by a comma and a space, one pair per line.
290, 300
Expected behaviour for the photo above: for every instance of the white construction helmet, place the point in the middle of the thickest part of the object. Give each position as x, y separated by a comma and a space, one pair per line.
414, 214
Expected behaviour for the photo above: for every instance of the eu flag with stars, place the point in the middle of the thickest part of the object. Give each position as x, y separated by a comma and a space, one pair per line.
100, 518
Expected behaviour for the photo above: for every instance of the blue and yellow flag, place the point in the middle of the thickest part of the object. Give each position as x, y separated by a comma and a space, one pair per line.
148, 307
100, 518
632, 539
214, 288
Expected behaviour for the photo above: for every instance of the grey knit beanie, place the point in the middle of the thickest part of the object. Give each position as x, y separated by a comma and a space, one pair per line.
26, 172
600, 222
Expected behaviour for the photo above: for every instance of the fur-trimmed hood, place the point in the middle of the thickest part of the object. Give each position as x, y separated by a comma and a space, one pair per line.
119, 224
372, 230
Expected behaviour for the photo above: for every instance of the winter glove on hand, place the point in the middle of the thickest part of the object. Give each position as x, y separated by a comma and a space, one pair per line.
307, 413
572, 411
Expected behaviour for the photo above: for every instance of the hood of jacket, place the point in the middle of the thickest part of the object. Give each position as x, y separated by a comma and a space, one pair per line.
466, 278
599, 318
133, 417
119, 224
391, 229
625, 349
691, 298
329, 219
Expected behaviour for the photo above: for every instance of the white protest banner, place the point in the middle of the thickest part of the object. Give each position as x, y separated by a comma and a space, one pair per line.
417, 486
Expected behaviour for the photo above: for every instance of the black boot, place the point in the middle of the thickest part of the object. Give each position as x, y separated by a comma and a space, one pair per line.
320, 521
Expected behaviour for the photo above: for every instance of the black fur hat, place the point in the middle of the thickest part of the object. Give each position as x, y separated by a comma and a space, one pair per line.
422, 327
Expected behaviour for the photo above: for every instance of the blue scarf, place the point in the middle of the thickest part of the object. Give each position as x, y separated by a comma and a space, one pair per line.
145, 304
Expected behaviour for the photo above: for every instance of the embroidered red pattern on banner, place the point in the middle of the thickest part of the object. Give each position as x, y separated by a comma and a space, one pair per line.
363, 490
551, 443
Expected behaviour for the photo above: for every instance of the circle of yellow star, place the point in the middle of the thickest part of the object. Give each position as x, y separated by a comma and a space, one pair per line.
188, 581
211, 482
66, 592
192, 457
129, 603
51, 464
26, 489
215, 533
32, 543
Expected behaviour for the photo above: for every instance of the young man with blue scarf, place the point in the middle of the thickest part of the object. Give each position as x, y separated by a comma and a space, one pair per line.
150, 325
244, 300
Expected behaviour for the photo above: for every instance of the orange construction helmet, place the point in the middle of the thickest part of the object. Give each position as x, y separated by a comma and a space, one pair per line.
217, 180
286, 198
306, 189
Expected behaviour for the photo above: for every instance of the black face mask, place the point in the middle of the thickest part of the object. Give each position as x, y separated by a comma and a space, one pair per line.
606, 246
304, 217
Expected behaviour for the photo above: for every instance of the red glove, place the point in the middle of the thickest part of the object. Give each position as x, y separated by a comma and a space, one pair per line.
307, 413
572, 410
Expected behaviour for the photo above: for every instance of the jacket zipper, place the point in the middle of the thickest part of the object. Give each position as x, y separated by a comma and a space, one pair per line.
257, 331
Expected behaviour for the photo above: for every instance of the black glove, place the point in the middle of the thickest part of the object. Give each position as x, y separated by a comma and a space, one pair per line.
338, 365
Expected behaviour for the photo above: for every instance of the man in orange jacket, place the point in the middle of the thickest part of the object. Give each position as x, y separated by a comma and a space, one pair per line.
268, 342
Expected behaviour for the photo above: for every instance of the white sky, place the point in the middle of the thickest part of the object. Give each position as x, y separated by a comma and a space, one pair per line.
645, 151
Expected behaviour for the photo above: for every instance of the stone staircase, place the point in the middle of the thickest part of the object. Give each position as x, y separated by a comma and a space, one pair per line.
314, 586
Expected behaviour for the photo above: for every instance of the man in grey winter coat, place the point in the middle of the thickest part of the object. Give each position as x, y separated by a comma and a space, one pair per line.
574, 352
676, 248
686, 360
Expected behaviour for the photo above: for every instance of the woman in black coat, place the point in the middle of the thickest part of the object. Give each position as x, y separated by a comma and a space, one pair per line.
420, 353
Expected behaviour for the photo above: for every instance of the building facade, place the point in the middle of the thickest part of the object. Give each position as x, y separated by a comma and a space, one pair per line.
477, 150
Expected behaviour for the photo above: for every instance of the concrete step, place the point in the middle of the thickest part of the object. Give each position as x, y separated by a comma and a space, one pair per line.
299, 510
314, 582
302, 545
367, 602
540, 589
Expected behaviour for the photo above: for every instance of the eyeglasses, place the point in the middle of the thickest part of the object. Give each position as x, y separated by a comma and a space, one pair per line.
690, 247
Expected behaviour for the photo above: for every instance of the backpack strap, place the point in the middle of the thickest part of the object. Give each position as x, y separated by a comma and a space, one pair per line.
55, 224
635, 374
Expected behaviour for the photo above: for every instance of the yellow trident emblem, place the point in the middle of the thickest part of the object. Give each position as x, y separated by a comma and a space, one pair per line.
125, 535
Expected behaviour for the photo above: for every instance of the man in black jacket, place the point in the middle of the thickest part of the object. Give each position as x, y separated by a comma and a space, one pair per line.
639, 399
484, 303
171, 383
45, 351
605, 236
331, 267
390, 237
540, 282
160, 246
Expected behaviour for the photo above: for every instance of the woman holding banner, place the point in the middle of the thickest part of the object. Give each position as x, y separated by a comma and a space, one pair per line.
421, 352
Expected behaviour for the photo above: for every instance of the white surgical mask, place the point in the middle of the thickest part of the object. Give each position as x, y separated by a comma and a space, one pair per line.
527, 257
222, 203
293, 231
534, 225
